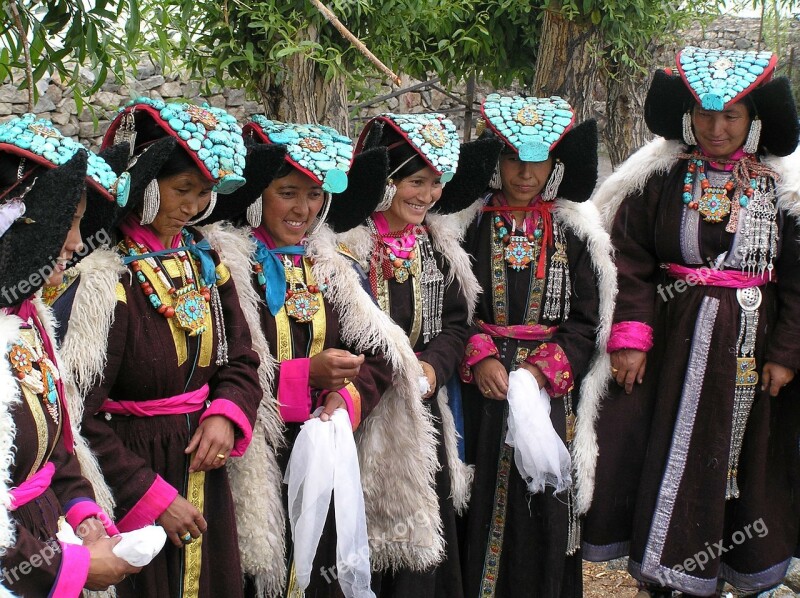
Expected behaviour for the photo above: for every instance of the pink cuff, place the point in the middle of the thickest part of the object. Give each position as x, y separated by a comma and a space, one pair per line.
150, 507
73, 572
80, 510
479, 347
553, 363
352, 399
231, 411
294, 392
630, 335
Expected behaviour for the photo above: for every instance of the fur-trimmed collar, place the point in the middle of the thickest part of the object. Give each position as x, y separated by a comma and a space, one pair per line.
660, 155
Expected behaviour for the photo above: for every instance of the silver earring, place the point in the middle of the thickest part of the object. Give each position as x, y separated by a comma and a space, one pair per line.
496, 182
753, 137
388, 195
553, 183
255, 212
207, 211
151, 202
688, 132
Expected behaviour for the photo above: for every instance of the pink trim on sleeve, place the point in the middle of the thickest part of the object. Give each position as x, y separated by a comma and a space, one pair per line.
479, 347
231, 411
82, 509
150, 507
630, 335
294, 392
553, 363
73, 572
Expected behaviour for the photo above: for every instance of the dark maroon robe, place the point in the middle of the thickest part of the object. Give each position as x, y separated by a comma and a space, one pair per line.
664, 449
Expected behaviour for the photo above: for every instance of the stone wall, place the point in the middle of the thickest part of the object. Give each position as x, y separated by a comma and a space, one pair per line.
55, 103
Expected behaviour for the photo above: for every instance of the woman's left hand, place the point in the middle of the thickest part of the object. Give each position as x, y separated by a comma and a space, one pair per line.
430, 374
774, 377
214, 437
90, 530
333, 401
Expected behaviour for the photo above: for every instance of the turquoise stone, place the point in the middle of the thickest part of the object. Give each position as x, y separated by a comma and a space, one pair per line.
184, 135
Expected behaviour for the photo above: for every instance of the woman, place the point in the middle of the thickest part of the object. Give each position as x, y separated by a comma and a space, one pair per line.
161, 352
543, 261
43, 180
330, 346
705, 335
421, 278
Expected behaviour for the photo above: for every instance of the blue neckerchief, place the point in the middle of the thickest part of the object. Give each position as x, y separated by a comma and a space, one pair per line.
274, 272
200, 251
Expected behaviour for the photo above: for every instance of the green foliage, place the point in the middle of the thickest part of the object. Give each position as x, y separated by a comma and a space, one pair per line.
65, 35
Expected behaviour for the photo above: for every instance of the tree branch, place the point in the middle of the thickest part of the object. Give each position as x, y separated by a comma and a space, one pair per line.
23, 39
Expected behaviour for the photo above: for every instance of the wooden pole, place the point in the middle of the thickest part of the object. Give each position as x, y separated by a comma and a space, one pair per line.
334, 20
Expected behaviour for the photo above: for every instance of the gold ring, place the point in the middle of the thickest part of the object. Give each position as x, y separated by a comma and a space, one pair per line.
487, 391
346, 381
614, 370
187, 538
221, 457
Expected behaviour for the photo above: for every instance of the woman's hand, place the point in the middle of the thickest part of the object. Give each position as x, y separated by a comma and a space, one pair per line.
627, 367
541, 379
491, 378
430, 374
774, 377
332, 369
181, 517
90, 530
213, 442
106, 568
333, 401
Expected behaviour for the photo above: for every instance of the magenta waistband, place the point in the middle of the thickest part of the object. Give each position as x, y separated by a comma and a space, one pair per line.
188, 402
523, 332
733, 279
33, 487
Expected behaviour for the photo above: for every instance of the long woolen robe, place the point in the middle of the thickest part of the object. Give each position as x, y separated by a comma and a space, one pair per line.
664, 449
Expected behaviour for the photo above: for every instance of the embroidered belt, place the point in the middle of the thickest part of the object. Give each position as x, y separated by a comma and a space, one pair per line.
523, 332
32, 488
188, 402
732, 279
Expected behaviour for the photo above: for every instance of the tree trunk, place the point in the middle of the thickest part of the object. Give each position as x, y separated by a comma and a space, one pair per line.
301, 94
625, 129
567, 64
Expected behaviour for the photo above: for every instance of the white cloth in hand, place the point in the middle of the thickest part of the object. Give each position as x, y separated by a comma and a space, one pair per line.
141, 546
324, 461
541, 456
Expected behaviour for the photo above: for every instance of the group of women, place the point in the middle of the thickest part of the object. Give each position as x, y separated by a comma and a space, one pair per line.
520, 396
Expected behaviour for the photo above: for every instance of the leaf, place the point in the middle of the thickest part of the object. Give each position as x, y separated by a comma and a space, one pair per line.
133, 24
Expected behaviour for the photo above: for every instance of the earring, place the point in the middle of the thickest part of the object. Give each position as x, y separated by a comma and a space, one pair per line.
322, 216
207, 211
496, 182
551, 190
753, 137
126, 132
688, 132
255, 212
151, 202
388, 195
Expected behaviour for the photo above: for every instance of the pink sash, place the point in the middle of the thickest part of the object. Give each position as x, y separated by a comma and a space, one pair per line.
732, 279
523, 332
188, 402
33, 487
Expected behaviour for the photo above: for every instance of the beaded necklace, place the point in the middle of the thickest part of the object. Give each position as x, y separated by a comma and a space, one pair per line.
519, 250
189, 302
303, 300
715, 202
41, 380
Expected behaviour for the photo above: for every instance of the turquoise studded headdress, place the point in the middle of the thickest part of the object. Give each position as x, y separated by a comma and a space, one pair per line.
320, 152
530, 126
209, 135
39, 140
719, 78
432, 135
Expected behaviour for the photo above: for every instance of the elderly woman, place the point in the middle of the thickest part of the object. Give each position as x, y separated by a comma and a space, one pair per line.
421, 277
698, 447
543, 261
161, 352
43, 185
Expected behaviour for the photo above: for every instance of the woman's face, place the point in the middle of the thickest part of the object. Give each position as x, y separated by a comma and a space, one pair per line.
72, 244
523, 181
290, 205
720, 134
415, 195
183, 196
